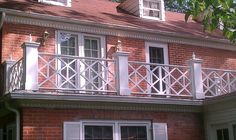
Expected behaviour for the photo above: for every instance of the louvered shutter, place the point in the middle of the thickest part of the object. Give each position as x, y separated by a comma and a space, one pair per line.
160, 131
72, 131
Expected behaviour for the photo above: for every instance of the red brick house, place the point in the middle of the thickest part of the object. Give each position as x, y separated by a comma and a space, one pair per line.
100, 70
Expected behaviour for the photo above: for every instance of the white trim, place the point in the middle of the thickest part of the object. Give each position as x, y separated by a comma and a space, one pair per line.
68, 2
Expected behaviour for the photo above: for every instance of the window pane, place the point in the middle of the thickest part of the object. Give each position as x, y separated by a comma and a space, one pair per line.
68, 44
151, 13
133, 133
87, 44
98, 133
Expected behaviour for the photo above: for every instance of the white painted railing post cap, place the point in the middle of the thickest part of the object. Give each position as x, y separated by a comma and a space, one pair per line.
195, 60
31, 44
121, 53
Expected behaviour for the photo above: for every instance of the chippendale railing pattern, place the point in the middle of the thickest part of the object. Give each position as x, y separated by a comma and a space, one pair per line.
218, 82
64, 73
16, 75
159, 79
72, 73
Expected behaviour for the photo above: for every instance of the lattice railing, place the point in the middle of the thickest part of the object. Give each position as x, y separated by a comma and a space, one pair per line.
158, 79
218, 82
72, 73
16, 76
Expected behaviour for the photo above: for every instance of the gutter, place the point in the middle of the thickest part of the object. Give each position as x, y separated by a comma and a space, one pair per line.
17, 119
2, 19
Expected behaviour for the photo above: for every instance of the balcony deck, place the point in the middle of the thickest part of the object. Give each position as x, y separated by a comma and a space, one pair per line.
119, 77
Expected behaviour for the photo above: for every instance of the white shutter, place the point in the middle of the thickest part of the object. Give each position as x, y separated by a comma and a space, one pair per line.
160, 131
72, 130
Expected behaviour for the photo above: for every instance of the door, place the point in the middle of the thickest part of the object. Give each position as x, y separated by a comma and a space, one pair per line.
83, 72
68, 65
157, 54
92, 49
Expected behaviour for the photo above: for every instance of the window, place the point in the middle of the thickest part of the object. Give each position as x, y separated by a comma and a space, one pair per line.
11, 132
222, 134
66, 3
234, 131
114, 130
153, 9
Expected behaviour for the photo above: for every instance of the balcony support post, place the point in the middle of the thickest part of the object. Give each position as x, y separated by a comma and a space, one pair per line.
7, 66
122, 74
30, 65
196, 78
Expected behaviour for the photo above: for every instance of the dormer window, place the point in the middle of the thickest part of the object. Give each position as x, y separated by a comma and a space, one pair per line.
152, 9
66, 3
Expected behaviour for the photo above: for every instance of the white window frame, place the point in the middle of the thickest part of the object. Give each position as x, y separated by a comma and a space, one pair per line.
162, 10
116, 125
80, 50
68, 3
229, 126
164, 46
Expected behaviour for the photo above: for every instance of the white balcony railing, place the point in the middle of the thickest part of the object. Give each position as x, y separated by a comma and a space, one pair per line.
218, 82
159, 79
61, 73
72, 73
16, 75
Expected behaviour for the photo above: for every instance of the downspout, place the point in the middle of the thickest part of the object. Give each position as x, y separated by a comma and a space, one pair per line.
2, 18
17, 119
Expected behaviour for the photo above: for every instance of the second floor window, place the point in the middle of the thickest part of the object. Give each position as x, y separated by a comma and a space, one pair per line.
152, 9
66, 3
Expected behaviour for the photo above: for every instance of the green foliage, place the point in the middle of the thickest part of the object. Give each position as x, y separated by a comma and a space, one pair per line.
213, 14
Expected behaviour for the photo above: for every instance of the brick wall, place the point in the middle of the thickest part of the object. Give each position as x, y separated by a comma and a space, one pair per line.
14, 35
179, 54
39, 123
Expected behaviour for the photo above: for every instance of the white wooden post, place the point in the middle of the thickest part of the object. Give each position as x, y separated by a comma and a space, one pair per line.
7, 66
122, 80
30, 65
196, 78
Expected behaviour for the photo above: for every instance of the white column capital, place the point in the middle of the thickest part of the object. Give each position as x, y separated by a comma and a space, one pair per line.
30, 44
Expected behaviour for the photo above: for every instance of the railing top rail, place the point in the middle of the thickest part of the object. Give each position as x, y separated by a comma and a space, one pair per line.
213, 69
17, 62
155, 64
75, 57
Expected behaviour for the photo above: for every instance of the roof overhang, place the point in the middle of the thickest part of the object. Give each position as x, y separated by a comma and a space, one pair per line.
63, 23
